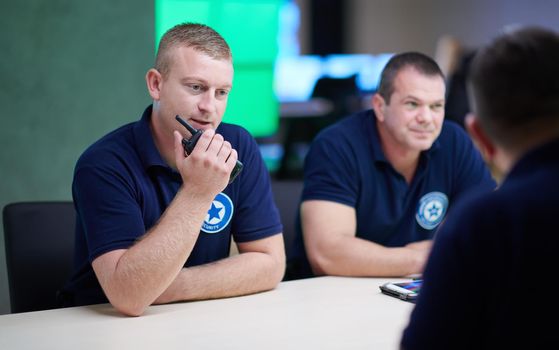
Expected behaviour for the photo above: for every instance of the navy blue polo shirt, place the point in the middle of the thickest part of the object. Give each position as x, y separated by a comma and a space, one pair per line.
346, 165
490, 268
122, 186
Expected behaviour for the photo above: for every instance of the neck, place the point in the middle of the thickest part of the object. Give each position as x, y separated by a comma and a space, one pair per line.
164, 142
507, 156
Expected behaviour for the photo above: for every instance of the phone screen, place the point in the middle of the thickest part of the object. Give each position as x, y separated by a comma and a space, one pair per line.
408, 290
413, 286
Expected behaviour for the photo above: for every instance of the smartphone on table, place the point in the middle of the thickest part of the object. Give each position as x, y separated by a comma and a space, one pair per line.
408, 290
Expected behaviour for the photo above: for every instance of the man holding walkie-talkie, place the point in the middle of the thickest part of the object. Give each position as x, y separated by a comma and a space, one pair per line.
158, 205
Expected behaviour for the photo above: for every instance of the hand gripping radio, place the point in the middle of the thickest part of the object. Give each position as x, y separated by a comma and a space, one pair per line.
189, 144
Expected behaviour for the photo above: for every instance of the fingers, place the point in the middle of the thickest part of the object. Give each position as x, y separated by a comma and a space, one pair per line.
215, 145
214, 149
179, 150
224, 151
232, 160
204, 141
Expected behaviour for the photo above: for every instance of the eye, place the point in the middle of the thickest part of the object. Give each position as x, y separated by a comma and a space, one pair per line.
411, 104
196, 87
222, 93
437, 107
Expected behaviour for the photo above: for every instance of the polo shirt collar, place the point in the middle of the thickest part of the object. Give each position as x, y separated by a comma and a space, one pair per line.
145, 144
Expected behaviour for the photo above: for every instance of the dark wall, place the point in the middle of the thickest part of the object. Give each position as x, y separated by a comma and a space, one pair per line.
71, 70
327, 26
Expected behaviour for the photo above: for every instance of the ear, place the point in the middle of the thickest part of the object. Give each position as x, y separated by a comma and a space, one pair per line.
482, 142
378, 104
153, 82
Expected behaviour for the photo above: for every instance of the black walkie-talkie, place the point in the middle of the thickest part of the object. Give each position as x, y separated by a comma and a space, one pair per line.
190, 143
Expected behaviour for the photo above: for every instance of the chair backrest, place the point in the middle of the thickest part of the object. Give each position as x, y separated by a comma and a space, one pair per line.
287, 194
39, 242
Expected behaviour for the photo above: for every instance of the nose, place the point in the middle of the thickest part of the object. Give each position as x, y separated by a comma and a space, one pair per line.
424, 115
207, 102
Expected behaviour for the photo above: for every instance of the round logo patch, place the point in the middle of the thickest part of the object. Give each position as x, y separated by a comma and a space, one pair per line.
219, 214
432, 208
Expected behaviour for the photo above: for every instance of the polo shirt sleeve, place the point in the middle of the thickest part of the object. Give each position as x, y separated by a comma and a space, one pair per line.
330, 170
109, 214
256, 215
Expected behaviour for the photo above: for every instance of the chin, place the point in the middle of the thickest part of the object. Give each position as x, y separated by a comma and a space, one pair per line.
423, 145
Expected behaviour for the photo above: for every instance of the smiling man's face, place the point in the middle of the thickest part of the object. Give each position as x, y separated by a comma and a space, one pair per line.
414, 115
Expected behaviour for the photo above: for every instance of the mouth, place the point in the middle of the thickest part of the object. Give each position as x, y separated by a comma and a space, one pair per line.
200, 124
422, 133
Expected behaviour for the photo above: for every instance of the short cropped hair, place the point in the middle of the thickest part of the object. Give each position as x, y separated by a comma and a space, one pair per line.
416, 60
200, 37
514, 84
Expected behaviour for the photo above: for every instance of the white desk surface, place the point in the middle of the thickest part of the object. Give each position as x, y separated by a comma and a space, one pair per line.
316, 313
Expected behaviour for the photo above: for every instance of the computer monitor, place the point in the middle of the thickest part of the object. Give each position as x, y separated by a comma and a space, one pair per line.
296, 76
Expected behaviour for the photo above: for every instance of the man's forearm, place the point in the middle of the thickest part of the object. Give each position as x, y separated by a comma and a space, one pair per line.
352, 256
133, 278
241, 274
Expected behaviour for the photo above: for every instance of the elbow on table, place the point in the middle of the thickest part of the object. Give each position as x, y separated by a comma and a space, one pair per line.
273, 273
321, 264
278, 273
274, 269
129, 307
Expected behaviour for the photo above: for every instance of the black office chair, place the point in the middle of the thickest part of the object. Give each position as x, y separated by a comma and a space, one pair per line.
345, 98
39, 242
287, 194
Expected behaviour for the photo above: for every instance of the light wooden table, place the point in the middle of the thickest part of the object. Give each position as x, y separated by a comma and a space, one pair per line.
317, 313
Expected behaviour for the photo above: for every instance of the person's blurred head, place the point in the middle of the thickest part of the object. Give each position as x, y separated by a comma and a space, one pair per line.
514, 87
